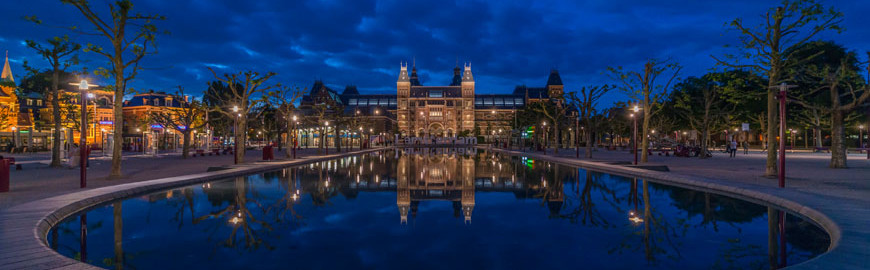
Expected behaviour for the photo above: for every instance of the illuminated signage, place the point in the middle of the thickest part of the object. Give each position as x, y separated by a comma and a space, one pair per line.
106, 122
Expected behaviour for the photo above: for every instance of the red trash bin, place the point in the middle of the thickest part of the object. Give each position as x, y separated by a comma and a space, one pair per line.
267, 153
4, 175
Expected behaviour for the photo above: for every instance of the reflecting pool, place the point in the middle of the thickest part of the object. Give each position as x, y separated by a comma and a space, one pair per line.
435, 209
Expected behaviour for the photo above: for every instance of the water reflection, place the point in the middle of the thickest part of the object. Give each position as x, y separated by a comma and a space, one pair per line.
344, 208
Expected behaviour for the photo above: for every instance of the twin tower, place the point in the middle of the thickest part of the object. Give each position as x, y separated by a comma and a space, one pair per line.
435, 111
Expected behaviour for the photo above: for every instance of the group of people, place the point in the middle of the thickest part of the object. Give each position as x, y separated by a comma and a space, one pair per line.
732, 148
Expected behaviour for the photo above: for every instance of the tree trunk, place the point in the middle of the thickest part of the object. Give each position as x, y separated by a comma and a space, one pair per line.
288, 141
705, 140
644, 155
55, 114
337, 140
838, 146
241, 139
588, 135
556, 140
185, 144
817, 133
117, 110
772, 121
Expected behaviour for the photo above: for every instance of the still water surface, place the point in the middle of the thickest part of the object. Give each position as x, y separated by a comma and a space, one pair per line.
434, 209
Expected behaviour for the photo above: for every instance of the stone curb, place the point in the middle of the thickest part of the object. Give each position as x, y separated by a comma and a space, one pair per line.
838, 256
32, 252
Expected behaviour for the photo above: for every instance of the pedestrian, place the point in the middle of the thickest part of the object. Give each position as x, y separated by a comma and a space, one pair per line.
745, 147
733, 148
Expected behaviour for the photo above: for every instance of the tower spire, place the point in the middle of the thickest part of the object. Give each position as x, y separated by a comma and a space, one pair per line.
7, 71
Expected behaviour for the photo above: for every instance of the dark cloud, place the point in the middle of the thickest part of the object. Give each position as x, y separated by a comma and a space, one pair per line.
362, 42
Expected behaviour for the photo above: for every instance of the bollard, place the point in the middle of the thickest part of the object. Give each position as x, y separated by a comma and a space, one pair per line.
4, 175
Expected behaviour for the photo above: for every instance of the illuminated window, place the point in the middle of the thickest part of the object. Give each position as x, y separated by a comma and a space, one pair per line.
436, 93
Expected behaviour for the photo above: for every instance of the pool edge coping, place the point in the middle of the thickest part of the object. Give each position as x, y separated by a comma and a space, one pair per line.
48, 212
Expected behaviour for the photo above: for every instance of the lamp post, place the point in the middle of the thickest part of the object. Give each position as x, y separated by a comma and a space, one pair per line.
326, 131
544, 125
294, 137
236, 134
634, 136
83, 162
782, 96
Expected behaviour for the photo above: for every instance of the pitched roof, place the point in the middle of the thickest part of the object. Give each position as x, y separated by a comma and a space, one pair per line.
7, 71
152, 99
554, 78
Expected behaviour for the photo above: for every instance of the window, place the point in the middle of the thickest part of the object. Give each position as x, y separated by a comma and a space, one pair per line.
38, 102
487, 102
29, 102
436, 93
508, 102
393, 102
352, 102
384, 102
518, 101
478, 101
499, 102
435, 113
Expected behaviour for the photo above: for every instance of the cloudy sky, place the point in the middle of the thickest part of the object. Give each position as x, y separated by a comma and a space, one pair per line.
362, 42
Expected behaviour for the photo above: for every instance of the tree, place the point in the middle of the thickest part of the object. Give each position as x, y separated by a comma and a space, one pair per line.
791, 24
556, 113
237, 101
60, 54
644, 87
700, 102
132, 37
835, 86
585, 104
187, 117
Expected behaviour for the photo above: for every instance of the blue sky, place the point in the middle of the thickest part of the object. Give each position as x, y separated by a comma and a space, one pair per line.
362, 42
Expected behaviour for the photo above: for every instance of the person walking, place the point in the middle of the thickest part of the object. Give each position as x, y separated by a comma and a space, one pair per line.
733, 148
745, 148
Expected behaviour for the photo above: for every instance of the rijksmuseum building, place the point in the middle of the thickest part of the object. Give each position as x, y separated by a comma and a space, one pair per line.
418, 110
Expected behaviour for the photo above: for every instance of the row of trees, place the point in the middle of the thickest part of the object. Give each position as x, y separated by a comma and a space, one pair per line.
124, 37
830, 90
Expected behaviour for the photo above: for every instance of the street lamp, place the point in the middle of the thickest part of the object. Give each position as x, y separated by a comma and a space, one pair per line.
635, 109
325, 141
295, 134
544, 125
83, 175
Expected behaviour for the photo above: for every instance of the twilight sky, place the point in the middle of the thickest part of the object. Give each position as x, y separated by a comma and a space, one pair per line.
361, 42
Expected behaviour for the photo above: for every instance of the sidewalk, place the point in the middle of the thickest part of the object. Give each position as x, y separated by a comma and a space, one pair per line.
838, 198
38, 181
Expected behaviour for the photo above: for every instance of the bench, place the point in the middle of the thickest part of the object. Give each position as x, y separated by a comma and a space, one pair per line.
819, 149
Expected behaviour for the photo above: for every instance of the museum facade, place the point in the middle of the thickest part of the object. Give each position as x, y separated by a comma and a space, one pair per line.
450, 110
